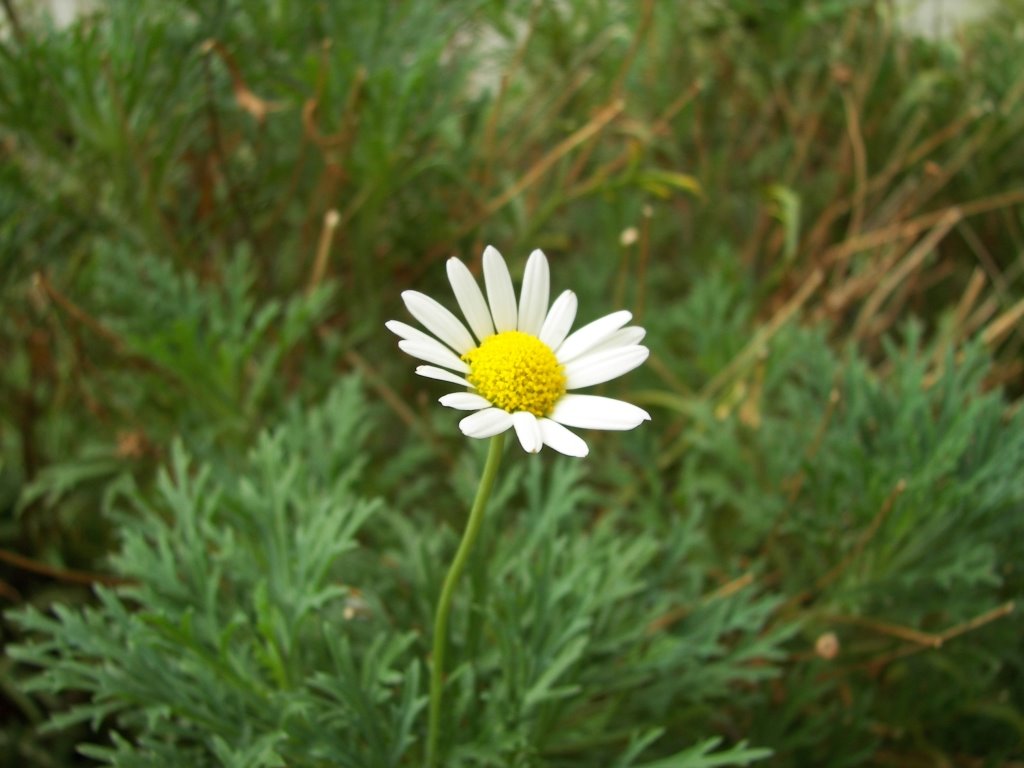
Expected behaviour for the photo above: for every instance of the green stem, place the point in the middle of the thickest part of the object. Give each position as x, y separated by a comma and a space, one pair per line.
444, 604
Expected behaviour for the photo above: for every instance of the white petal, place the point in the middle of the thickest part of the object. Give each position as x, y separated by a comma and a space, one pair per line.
627, 337
500, 294
439, 321
406, 331
433, 352
595, 412
590, 335
471, 300
561, 439
528, 431
486, 423
559, 320
464, 401
441, 375
533, 300
602, 366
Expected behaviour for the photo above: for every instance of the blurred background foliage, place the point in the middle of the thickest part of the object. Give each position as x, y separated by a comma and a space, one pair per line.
227, 504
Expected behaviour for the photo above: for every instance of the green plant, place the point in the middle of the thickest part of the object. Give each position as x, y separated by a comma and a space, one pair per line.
205, 210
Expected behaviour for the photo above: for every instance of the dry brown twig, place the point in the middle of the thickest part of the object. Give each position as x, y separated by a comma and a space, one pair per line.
69, 575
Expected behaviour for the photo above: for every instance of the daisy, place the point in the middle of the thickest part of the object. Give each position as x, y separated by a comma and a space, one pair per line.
518, 364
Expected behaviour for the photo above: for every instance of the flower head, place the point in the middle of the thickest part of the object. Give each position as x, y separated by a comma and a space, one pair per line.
517, 362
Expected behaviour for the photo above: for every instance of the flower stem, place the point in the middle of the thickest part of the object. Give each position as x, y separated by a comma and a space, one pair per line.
444, 604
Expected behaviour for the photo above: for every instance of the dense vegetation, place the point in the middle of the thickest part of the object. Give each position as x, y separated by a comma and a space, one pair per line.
227, 503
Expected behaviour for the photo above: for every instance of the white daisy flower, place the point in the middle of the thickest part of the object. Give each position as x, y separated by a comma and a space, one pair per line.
518, 364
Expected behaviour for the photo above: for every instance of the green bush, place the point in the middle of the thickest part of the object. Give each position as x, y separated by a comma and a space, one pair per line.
228, 506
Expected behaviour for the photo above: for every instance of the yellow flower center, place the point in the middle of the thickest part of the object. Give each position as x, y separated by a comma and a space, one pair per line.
516, 372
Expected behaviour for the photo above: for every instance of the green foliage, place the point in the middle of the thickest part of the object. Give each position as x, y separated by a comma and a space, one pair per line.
260, 622
874, 503
226, 506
